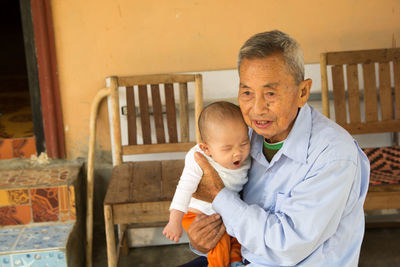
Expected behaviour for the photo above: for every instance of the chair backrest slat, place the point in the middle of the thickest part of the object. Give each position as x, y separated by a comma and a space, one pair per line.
370, 93
380, 99
362, 56
184, 112
157, 117
131, 116
157, 113
385, 91
171, 112
354, 93
144, 114
396, 69
339, 94
155, 79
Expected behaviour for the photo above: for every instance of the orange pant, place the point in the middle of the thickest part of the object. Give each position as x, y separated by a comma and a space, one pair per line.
226, 251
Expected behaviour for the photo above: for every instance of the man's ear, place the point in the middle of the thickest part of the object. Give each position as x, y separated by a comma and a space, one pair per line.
304, 91
204, 147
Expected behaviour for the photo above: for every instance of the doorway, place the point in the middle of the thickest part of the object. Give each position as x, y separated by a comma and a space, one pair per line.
29, 57
17, 137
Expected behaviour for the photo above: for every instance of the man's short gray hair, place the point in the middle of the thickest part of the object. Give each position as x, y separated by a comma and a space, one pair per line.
265, 44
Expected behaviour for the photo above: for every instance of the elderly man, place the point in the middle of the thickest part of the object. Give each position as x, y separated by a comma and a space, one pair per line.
303, 203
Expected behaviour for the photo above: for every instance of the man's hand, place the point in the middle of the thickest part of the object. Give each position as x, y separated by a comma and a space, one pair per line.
205, 232
210, 184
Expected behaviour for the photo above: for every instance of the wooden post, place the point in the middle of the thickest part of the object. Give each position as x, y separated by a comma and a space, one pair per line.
116, 124
324, 86
90, 173
198, 103
110, 237
123, 239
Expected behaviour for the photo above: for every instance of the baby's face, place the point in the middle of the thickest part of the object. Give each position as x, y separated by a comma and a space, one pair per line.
228, 143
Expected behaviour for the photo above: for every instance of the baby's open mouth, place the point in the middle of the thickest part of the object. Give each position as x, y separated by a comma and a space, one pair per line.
236, 162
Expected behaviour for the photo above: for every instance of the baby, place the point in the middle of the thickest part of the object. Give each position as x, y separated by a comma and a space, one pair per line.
226, 146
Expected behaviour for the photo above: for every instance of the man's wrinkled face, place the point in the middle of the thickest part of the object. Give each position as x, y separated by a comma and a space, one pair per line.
268, 96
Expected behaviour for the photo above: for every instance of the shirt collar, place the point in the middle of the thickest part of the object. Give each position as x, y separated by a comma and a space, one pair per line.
256, 146
296, 144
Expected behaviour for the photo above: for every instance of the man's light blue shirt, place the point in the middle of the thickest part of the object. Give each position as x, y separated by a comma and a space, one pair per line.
305, 207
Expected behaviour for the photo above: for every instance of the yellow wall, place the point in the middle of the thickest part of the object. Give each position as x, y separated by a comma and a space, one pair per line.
95, 39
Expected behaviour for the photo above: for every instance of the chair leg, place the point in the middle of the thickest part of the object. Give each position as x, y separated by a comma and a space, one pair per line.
123, 237
110, 236
395, 139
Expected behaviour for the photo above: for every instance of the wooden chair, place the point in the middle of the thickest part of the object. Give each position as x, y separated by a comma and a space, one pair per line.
382, 111
140, 192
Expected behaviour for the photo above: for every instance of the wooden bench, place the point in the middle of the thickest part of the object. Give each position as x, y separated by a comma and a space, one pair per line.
381, 114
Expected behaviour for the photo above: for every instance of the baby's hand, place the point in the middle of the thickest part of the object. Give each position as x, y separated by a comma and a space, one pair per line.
173, 231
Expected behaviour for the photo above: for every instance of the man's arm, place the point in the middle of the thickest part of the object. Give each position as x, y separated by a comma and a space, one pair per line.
205, 231
210, 184
299, 222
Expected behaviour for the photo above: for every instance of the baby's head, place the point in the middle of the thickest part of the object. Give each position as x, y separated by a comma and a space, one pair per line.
224, 134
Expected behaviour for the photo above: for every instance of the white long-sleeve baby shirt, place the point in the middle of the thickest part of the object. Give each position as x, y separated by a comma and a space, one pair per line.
191, 176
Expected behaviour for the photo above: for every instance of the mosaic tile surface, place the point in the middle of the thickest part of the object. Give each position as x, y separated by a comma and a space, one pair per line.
54, 258
25, 179
35, 177
63, 203
15, 215
9, 231
43, 237
17, 147
9, 177
5, 261
45, 206
7, 241
6, 149
37, 195
72, 203
14, 197
27, 239
40, 259
23, 147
